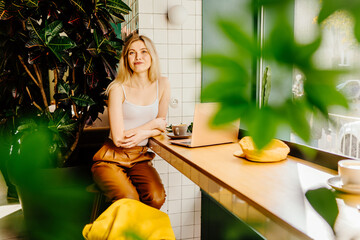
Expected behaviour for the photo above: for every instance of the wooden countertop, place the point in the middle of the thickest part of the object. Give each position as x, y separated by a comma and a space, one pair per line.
277, 190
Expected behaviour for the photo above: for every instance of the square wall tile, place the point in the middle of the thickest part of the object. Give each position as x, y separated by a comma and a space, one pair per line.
160, 6
197, 204
189, 51
198, 36
198, 50
147, 32
198, 7
177, 232
188, 36
162, 50
198, 22
175, 80
188, 109
188, 205
175, 66
164, 207
161, 166
187, 120
174, 179
160, 36
189, 95
176, 93
197, 218
174, 193
175, 36
197, 94
197, 231
187, 218
174, 51
187, 231
172, 3
190, 6
160, 21
145, 6
189, 80
188, 65
188, 191
174, 206
198, 80
190, 23
146, 21
165, 179
175, 112
175, 219
164, 65
174, 120
185, 180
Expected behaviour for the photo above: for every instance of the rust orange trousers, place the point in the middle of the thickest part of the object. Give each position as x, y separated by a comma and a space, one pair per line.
128, 173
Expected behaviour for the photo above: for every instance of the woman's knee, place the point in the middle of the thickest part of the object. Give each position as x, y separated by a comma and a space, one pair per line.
154, 197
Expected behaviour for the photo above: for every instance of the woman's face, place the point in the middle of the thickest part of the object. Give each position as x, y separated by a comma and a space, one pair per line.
139, 57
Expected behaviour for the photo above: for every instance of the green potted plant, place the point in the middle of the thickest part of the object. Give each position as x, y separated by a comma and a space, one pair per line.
56, 59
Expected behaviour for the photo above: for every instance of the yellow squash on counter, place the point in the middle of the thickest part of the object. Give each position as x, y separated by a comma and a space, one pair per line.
275, 151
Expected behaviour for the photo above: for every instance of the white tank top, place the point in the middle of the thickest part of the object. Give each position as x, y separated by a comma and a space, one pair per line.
137, 115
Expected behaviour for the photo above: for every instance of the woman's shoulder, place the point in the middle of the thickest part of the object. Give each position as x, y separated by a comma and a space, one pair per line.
163, 81
116, 90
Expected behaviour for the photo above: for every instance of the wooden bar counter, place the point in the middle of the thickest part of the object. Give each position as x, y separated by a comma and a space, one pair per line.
269, 197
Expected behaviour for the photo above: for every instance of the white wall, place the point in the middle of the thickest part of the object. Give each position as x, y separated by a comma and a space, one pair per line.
178, 47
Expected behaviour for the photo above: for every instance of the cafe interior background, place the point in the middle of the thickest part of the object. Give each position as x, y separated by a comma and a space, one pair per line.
180, 45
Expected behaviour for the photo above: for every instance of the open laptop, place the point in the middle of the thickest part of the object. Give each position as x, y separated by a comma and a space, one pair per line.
203, 134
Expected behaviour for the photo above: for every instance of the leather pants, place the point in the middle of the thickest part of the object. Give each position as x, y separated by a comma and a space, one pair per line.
128, 173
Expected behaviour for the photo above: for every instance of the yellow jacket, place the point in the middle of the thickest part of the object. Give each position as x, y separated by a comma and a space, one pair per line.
130, 219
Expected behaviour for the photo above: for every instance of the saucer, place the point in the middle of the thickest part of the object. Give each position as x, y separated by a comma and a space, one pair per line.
336, 183
172, 136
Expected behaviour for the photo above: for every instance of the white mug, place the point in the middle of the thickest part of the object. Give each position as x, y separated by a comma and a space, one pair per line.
349, 171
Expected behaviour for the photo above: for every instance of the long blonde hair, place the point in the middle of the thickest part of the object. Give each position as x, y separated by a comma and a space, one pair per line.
125, 72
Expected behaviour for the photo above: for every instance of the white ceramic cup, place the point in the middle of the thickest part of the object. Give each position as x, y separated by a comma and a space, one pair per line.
179, 130
349, 171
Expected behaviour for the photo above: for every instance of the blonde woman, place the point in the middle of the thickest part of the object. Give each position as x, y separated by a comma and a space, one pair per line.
137, 106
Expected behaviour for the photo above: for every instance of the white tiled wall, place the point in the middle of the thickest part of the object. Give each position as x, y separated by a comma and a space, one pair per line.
179, 47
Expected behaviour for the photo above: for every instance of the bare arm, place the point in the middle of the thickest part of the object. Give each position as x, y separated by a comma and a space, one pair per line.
116, 98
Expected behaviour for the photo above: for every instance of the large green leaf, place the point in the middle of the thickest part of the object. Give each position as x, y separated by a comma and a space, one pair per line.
323, 201
262, 125
78, 4
296, 117
63, 88
116, 6
52, 30
229, 113
82, 100
241, 39
60, 44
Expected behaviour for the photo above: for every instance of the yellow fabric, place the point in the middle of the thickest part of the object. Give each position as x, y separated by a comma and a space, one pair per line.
130, 219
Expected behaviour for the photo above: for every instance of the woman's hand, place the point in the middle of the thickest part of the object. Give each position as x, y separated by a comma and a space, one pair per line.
160, 124
134, 137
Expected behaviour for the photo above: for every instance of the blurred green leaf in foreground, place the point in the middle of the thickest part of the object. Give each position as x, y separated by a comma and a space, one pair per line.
232, 82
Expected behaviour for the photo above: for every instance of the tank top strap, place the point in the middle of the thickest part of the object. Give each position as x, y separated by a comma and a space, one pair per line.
157, 89
123, 90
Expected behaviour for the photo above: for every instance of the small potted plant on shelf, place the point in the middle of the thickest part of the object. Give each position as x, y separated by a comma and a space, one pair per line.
56, 59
